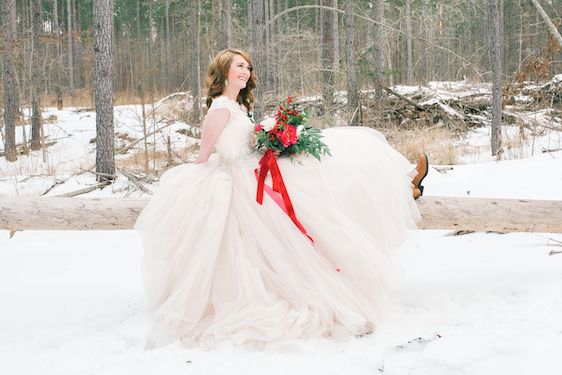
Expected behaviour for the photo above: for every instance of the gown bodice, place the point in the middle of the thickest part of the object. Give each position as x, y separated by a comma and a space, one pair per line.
234, 141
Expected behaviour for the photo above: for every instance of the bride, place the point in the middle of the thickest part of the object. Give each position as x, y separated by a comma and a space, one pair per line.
220, 267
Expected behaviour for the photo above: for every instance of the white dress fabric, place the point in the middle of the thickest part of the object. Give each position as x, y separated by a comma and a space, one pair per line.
220, 267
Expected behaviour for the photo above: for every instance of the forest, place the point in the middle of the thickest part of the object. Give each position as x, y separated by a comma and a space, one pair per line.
300, 48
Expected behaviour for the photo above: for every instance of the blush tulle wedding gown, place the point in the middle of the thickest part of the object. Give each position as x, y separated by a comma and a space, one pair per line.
220, 267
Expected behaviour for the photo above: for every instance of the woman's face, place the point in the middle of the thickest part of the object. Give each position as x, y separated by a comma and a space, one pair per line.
239, 72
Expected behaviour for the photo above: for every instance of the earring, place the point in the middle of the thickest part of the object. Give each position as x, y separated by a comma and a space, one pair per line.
225, 82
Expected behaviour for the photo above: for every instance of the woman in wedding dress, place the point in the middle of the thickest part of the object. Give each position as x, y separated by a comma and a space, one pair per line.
218, 266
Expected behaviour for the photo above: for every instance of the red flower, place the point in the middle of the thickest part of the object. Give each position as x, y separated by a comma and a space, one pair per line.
258, 127
288, 136
292, 134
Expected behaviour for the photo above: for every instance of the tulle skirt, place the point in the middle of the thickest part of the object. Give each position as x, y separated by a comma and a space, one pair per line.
220, 267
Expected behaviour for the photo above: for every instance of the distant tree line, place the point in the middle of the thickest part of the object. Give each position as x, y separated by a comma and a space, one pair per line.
301, 47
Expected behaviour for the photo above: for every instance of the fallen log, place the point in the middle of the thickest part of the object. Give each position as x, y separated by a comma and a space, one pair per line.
60, 213
489, 214
475, 214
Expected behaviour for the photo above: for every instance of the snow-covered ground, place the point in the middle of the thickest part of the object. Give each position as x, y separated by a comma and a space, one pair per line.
71, 159
72, 303
482, 303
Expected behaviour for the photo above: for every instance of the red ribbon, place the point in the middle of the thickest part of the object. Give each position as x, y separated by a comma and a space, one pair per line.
268, 163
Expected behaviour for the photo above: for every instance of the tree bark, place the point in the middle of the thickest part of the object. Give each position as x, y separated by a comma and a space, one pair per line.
273, 59
58, 58
454, 213
378, 50
76, 46
336, 36
167, 63
352, 92
150, 49
495, 142
442, 57
195, 65
258, 22
103, 66
70, 46
409, 52
327, 58
36, 77
10, 86
551, 27
266, 72
225, 37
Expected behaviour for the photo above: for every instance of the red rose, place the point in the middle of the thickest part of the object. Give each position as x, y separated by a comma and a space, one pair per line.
291, 134
258, 127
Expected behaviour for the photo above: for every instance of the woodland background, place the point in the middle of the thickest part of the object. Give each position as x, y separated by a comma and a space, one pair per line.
300, 48
155, 43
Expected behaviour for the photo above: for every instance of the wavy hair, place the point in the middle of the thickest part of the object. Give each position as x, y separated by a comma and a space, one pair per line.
218, 71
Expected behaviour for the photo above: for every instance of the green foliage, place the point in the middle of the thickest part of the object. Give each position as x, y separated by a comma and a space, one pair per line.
290, 134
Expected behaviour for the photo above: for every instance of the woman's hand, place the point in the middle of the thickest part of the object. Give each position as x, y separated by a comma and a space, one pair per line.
254, 140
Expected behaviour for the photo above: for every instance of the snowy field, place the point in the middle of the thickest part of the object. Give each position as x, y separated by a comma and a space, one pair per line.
481, 303
72, 303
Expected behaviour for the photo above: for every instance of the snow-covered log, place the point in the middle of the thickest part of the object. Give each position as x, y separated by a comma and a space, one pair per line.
61, 213
476, 214
488, 214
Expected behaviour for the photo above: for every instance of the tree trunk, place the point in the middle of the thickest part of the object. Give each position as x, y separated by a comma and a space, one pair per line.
409, 53
378, 49
139, 60
266, 72
225, 38
327, 59
258, 22
70, 46
497, 50
453, 213
273, 60
442, 57
103, 65
150, 50
58, 59
76, 47
551, 27
36, 79
10, 86
167, 56
195, 66
336, 36
352, 93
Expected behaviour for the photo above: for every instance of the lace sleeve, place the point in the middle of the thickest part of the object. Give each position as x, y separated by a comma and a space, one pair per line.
220, 102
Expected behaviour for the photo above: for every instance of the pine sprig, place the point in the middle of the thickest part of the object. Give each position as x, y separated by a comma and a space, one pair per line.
289, 133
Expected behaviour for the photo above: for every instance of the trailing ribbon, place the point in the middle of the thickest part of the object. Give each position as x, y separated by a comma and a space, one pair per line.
268, 163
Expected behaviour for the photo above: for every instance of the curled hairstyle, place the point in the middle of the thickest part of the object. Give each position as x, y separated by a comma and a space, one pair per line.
218, 71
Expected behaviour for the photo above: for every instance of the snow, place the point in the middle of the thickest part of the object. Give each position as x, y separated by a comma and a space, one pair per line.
537, 177
472, 304
73, 154
479, 303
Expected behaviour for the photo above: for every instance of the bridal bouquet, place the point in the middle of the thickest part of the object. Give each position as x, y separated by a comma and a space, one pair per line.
289, 134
